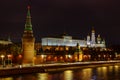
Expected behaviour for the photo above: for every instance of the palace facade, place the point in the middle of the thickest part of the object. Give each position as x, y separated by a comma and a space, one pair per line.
65, 40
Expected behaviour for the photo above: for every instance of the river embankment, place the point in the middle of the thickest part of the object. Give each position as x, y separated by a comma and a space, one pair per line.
43, 68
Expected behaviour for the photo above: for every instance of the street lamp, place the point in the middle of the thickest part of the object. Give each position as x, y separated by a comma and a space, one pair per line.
2, 57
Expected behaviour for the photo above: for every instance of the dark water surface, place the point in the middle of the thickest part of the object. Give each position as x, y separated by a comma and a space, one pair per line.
103, 72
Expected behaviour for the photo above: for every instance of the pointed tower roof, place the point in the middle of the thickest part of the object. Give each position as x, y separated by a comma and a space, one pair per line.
88, 34
78, 49
28, 32
93, 30
99, 35
28, 25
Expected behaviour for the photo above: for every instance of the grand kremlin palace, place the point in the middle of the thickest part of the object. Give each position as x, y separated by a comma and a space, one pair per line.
66, 40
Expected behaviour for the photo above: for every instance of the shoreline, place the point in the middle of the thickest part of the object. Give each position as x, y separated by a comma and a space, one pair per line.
44, 68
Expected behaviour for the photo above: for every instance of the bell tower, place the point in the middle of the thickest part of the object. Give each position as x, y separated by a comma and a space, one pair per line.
93, 38
28, 41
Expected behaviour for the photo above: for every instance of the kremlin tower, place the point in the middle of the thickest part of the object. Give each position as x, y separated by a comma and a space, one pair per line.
93, 38
78, 53
28, 41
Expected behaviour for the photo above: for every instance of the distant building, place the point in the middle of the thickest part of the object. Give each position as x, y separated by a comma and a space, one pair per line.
92, 41
66, 40
6, 42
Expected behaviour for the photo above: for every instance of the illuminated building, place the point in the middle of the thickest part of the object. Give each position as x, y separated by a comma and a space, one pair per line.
5, 42
95, 42
78, 55
69, 41
64, 41
28, 41
93, 38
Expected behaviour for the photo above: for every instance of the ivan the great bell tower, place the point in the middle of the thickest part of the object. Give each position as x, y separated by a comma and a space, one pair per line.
28, 41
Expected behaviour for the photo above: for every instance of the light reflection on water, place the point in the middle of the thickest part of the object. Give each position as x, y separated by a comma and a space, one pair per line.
42, 76
102, 72
8, 78
86, 74
68, 75
105, 72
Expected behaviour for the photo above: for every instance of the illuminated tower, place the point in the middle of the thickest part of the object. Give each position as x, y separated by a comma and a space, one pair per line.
103, 42
88, 40
28, 41
98, 39
78, 53
93, 38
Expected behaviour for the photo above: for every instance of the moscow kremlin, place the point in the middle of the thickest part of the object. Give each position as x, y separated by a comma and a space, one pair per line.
54, 49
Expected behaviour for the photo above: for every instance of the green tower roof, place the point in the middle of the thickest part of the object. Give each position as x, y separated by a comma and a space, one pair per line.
28, 25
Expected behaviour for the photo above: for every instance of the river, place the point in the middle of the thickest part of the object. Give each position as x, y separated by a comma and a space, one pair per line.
103, 72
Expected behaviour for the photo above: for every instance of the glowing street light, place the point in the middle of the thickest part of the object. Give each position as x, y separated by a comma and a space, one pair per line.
69, 56
2, 57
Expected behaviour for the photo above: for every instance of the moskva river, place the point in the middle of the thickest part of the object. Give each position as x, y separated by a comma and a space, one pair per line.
102, 72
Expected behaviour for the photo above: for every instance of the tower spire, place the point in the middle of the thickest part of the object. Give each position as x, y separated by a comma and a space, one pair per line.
93, 30
28, 25
93, 37
28, 41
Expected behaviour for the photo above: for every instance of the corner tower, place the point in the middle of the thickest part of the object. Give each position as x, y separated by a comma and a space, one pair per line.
28, 41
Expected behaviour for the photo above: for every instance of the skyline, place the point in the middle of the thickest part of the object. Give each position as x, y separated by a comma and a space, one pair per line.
56, 17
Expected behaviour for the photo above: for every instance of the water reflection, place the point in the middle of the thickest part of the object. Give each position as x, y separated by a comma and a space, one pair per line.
27, 77
43, 76
86, 74
109, 72
8, 78
68, 75
116, 69
102, 73
110, 68
18, 78
117, 72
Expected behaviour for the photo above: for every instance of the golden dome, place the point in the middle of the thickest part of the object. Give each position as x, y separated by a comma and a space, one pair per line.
93, 30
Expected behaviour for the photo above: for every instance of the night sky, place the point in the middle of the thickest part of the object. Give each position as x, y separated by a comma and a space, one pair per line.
54, 17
